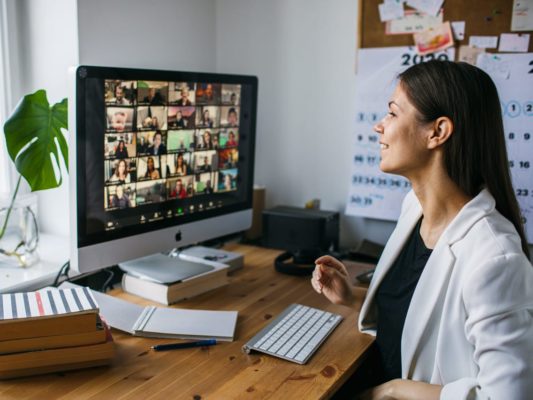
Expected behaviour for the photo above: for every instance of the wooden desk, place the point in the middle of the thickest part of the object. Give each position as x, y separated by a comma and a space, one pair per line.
222, 371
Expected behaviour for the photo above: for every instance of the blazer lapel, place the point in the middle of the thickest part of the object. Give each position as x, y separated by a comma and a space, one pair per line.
394, 245
430, 291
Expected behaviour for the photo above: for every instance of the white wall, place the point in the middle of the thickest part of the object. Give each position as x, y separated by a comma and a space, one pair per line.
162, 34
303, 52
47, 44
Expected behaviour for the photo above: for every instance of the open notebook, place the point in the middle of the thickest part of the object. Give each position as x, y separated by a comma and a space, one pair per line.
163, 322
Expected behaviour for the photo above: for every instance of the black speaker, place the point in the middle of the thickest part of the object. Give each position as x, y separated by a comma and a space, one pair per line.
305, 234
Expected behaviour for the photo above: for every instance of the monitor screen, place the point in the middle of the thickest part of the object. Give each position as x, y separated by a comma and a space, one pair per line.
157, 150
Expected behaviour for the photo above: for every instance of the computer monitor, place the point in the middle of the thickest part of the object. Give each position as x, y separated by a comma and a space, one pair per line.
158, 160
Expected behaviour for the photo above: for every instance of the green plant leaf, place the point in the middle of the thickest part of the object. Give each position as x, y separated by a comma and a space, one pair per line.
31, 134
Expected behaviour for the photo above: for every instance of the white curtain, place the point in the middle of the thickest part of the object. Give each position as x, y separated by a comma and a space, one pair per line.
6, 168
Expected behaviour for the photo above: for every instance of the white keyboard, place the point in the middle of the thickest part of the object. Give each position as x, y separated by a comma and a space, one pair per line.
295, 334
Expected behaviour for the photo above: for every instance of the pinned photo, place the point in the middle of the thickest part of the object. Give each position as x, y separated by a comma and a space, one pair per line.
437, 38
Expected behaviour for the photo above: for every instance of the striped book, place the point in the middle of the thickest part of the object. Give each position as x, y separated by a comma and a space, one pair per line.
47, 313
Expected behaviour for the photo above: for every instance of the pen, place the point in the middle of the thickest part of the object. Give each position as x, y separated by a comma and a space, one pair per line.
187, 345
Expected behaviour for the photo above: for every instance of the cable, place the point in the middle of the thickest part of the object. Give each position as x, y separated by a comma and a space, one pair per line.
62, 271
108, 280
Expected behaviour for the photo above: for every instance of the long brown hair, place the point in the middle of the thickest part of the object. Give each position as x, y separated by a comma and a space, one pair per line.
475, 156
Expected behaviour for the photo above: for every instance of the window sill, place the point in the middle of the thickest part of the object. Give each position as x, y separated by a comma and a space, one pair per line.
53, 251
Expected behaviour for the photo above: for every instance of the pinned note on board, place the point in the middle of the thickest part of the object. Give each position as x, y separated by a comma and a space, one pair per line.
514, 42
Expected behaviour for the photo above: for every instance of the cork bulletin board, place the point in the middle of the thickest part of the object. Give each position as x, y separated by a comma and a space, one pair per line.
487, 17
379, 59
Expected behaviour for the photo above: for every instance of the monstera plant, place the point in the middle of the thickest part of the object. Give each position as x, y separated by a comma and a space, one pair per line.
36, 144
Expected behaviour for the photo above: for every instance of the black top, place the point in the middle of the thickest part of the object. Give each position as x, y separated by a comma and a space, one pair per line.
393, 298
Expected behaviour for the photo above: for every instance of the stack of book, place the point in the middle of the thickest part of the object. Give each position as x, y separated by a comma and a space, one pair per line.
51, 330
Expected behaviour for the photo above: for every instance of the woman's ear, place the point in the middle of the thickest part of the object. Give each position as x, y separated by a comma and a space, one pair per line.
441, 131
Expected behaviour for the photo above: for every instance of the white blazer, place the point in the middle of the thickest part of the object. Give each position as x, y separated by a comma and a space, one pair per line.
469, 326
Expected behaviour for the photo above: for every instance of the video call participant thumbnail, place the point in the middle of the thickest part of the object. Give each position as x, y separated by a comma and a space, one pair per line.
150, 192
120, 196
180, 188
208, 93
229, 117
207, 139
227, 180
231, 95
228, 158
205, 183
120, 145
229, 138
205, 161
150, 118
183, 94
120, 171
180, 141
120, 92
208, 117
181, 117
154, 93
148, 168
179, 164
158, 146
119, 119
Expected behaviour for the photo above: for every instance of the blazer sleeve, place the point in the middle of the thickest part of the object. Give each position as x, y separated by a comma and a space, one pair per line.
498, 298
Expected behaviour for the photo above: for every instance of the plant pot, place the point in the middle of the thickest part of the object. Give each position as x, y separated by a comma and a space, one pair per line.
18, 245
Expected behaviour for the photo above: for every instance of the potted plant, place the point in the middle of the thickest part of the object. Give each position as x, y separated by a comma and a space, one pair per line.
36, 145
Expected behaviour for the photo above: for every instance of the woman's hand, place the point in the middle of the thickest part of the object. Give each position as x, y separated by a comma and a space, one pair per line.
400, 389
330, 278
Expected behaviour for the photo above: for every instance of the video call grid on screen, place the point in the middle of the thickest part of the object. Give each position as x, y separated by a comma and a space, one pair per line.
169, 140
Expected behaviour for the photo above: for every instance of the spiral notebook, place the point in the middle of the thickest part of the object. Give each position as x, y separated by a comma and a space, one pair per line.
164, 322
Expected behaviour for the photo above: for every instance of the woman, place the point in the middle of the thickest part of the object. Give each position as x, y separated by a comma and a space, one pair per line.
180, 122
450, 302
151, 171
206, 119
121, 150
181, 166
206, 143
121, 173
231, 140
